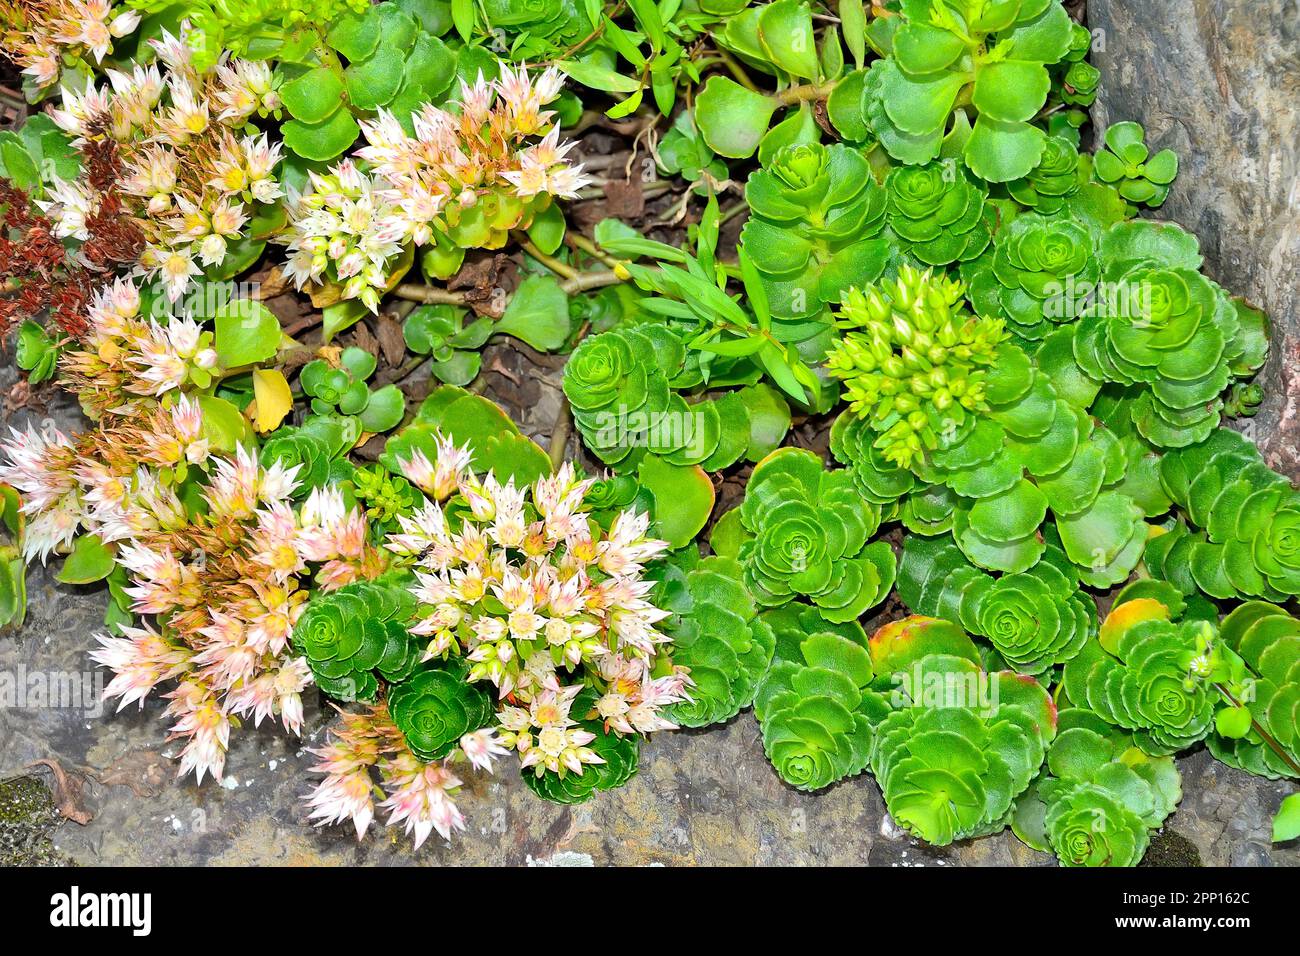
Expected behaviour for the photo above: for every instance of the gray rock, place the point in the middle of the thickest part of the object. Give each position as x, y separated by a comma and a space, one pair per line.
1218, 81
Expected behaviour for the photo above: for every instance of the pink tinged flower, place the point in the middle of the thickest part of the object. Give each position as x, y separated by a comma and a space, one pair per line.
347, 792
39, 466
140, 659
203, 725
419, 797
481, 747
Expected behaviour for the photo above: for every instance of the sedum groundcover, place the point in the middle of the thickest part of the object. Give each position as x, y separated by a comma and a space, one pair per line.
936, 463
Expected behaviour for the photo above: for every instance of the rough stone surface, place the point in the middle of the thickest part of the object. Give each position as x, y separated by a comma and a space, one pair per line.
709, 797
1218, 82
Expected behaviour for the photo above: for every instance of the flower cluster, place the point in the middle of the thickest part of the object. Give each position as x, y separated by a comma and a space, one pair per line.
194, 171
456, 181
521, 584
418, 793
47, 38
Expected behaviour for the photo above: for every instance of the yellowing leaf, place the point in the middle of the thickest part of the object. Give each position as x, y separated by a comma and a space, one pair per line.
272, 399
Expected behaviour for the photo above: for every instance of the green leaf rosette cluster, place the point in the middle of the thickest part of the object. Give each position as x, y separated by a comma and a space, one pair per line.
806, 535
357, 634
1034, 619
1099, 796
976, 438
1050, 184
718, 634
620, 386
1037, 263
551, 20
1242, 532
812, 706
1167, 340
1146, 674
959, 744
951, 60
815, 228
937, 213
1125, 163
1265, 679
343, 388
318, 448
436, 706
620, 756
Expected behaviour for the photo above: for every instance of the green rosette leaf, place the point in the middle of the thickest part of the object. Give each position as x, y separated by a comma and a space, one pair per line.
436, 706
355, 635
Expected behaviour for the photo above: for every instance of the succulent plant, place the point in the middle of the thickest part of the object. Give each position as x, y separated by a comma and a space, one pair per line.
1146, 674
435, 706
1245, 521
1079, 85
1054, 180
355, 634
812, 705
959, 744
342, 386
384, 495
1099, 795
440, 332
619, 755
814, 231
978, 437
1032, 276
318, 448
1165, 342
1035, 619
968, 56
1264, 679
913, 360
807, 537
938, 212
1126, 163
720, 637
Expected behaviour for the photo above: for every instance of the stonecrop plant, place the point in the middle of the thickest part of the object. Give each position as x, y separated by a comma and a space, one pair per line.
869, 399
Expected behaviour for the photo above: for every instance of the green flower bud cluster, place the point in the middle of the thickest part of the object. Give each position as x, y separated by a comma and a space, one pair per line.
807, 532
1148, 675
620, 386
318, 448
436, 706
952, 58
815, 227
1099, 796
1244, 538
619, 754
812, 705
938, 212
1053, 181
1265, 645
719, 636
342, 387
1126, 163
385, 495
960, 744
1041, 273
1035, 619
913, 360
357, 634
1172, 338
